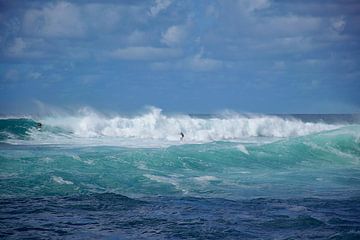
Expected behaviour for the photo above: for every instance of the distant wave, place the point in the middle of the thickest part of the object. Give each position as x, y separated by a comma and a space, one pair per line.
154, 125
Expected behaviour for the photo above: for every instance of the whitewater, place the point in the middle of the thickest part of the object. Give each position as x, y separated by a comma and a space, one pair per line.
154, 127
92, 175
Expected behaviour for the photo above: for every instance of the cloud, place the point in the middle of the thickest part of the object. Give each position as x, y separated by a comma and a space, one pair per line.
196, 63
17, 48
159, 6
199, 63
145, 53
279, 65
35, 75
338, 24
12, 25
111, 16
136, 38
286, 45
19, 75
60, 19
174, 35
25, 48
11, 75
78, 19
253, 5
289, 25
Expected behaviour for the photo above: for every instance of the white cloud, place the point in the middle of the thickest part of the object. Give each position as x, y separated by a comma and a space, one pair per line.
110, 18
89, 79
196, 63
290, 25
199, 63
105, 17
253, 5
279, 65
338, 24
11, 75
212, 11
313, 62
17, 48
286, 45
12, 25
136, 38
145, 53
55, 20
174, 35
35, 75
22, 47
159, 6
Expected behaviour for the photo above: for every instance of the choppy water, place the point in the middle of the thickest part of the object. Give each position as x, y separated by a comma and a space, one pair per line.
91, 176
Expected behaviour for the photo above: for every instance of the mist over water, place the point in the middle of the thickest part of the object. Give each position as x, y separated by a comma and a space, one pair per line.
113, 174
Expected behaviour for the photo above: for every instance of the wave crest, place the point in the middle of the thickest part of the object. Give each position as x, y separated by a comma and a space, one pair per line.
156, 125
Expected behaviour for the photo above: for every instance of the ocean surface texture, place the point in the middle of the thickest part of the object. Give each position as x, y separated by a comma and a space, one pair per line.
233, 176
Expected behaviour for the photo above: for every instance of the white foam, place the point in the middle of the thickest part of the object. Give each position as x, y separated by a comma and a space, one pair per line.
155, 125
242, 149
167, 180
60, 180
153, 129
206, 178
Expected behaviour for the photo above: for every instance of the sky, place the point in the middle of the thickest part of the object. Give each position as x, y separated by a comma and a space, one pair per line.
262, 56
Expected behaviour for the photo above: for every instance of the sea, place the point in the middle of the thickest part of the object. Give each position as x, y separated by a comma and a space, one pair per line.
90, 175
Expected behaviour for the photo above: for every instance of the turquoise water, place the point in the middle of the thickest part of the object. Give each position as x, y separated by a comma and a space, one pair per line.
235, 177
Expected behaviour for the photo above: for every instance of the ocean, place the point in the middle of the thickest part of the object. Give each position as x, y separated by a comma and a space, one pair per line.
88, 175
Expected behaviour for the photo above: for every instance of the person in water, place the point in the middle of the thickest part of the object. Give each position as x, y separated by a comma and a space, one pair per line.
39, 126
182, 135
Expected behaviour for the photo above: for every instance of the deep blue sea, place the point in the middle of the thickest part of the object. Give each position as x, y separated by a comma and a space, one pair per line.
89, 175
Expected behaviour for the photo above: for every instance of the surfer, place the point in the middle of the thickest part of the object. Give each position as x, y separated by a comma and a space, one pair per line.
182, 135
39, 126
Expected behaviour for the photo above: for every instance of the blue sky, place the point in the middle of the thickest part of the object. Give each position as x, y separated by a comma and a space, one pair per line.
201, 56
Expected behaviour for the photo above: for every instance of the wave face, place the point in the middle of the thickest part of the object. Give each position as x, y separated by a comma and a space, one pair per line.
17, 128
314, 165
90, 127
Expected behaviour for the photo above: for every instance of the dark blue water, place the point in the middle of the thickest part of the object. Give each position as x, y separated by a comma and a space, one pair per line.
113, 216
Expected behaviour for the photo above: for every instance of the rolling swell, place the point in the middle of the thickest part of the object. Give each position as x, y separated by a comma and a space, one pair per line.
17, 128
217, 169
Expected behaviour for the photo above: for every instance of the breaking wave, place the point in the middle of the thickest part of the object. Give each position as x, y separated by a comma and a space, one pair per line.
156, 126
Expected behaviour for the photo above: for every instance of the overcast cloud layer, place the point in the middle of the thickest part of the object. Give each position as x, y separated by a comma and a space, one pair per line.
191, 56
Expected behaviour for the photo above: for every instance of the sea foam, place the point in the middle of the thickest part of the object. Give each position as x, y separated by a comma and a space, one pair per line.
156, 125
154, 128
